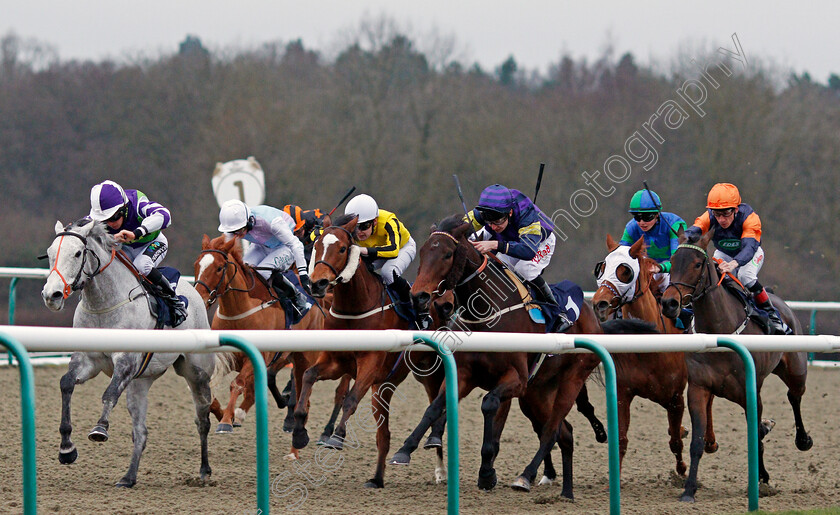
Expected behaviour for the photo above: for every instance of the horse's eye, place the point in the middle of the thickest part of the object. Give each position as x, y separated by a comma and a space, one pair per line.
447, 255
697, 265
78, 253
342, 250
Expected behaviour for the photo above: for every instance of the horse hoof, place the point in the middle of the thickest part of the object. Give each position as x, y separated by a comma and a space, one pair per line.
545, 481
488, 482
288, 425
440, 475
683, 432
768, 424
224, 429
125, 483
323, 439
68, 457
805, 443
334, 443
98, 434
374, 483
686, 498
291, 457
237, 423
400, 458
300, 439
711, 447
521, 484
600, 433
433, 442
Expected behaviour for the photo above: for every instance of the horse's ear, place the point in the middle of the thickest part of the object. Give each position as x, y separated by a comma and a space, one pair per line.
638, 248
681, 237
205, 242
229, 243
327, 221
351, 225
704, 241
611, 244
58, 226
432, 228
462, 230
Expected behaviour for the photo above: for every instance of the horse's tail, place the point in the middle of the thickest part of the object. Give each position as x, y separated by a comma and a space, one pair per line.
225, 363
628, 326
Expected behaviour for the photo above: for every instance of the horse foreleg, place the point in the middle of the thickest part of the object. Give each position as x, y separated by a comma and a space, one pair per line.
123, 374
380, 402
237, 386
271, 375
216, 409
511, 385
625, 398
248, 400
340, 394
566, 442
136, 400
793, 370
80, 370
588, 410
197, 375
435, 411
699, 404
364, 380
289, 421
675, 410
709, 437
322, 369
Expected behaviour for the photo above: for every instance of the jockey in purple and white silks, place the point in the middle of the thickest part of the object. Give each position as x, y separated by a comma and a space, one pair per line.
511, 225
274, 247
137, 223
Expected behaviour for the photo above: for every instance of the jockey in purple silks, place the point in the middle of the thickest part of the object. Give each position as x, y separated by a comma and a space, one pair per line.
137, 223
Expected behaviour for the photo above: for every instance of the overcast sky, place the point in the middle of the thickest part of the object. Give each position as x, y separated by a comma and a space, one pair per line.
802, 36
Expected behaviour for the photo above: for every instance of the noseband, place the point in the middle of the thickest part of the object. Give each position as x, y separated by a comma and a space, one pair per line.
687, 299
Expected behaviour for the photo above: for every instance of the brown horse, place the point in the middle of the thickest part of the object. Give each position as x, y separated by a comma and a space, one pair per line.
657, 376
695, 281
360, 302
246, 302
490, 301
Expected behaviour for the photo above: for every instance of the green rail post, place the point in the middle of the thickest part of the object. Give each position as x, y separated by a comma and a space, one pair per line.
452, 458
612, 420
752, 418
27, 416
12, 296
261, 405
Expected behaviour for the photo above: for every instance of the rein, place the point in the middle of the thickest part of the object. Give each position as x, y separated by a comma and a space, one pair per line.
213, 294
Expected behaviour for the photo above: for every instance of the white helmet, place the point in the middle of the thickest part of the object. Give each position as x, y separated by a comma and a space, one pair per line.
106, 198
234, 216
364, 206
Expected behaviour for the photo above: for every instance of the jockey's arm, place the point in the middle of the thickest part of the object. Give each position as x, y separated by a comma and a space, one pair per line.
750, 239
282, 232
392, 246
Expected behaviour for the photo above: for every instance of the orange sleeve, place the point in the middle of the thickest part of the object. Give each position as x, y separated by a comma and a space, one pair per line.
703, 222
752, 227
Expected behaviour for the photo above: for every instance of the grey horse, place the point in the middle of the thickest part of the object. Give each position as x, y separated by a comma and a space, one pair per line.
82, 259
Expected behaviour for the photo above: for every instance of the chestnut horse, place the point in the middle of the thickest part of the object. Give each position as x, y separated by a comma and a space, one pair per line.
359, 302
657, 376
695, 281
449, 262
246, 302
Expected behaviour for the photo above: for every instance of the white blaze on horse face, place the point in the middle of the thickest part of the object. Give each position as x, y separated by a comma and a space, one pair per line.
326, 241
203, 264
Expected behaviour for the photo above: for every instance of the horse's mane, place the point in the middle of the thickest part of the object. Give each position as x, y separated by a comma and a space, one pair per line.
450, 223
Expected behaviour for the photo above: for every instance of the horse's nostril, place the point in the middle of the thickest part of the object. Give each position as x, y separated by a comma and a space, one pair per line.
56, 295
321, 283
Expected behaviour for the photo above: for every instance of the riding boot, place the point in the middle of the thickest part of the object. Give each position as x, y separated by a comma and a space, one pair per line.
543, 290
285, 289
402, 288
164, 290
777, 325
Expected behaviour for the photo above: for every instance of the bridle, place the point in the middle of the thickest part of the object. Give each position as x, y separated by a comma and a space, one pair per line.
708, 285
213, 293
69, 288
618, 301
338, 275
453, 279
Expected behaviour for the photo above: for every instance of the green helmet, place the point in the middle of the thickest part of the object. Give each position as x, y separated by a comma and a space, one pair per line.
645, 201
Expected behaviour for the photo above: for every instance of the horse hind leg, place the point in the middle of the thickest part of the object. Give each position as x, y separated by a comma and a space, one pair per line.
675, 410
199, 382
137, 402
237, 386
588, 410
338, 400
81, 369
793, 371
699, 400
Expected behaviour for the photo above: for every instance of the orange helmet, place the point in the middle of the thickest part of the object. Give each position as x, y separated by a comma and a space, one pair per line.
297, 215
723, 195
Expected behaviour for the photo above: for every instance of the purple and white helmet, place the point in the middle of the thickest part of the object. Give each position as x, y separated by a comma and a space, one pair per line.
106, 198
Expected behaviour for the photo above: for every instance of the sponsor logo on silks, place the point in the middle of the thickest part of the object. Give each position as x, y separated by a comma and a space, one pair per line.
729, 244
758, 259
282, 261
541, 253
155, 245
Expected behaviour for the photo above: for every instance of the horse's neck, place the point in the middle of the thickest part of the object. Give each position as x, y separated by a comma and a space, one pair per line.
645, 308
491, 292
244, 291
114, 284
717, 311
363, 291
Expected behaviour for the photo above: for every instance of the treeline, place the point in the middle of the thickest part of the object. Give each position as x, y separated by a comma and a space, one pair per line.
397, 123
